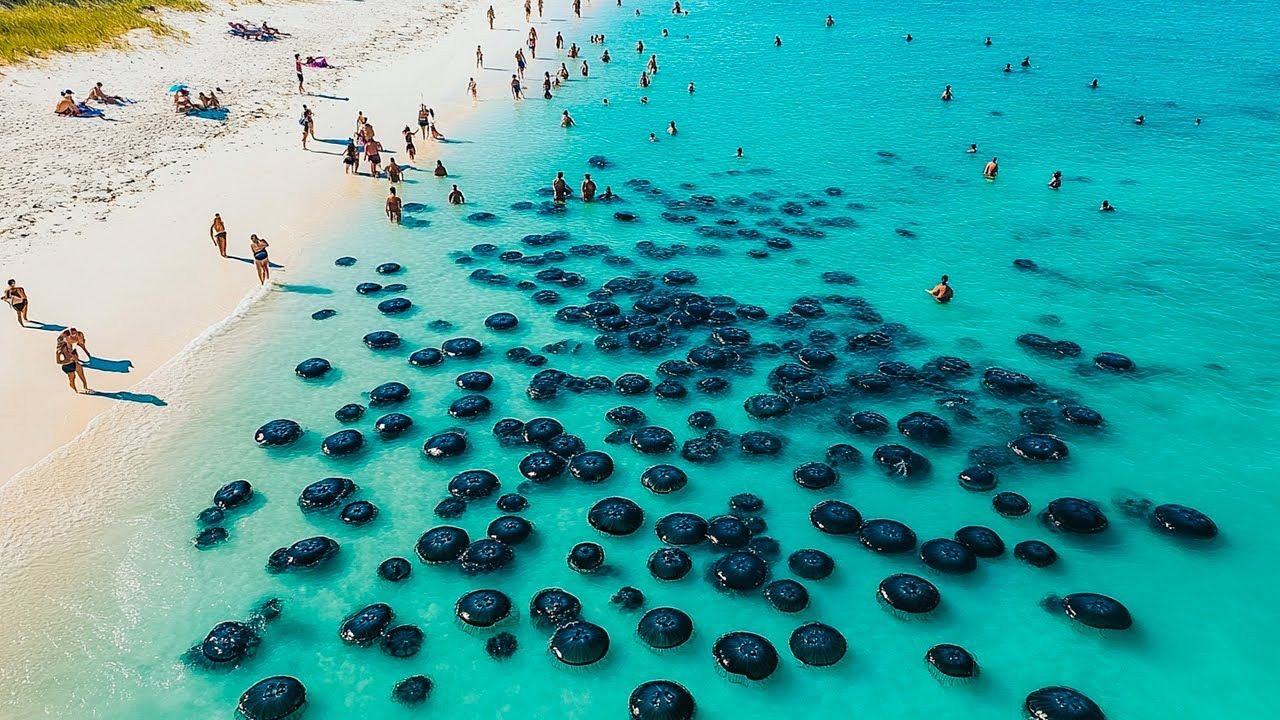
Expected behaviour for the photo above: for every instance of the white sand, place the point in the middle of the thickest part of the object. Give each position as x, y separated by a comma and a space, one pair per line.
107, 226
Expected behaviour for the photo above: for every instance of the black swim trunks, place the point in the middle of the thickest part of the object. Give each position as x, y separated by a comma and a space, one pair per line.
69, 368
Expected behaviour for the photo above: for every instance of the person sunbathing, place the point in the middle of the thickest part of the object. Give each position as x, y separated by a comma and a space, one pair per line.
67, 105
182, 101
100, 95
209, 102
317, 62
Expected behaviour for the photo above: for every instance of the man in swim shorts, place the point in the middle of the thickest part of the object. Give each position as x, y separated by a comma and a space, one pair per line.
218, 233
297, 67
16, 296
393, 207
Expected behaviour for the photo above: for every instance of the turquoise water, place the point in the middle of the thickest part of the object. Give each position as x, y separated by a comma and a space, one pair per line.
1179, 279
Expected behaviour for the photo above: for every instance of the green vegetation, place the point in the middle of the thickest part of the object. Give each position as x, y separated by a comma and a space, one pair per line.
32, 28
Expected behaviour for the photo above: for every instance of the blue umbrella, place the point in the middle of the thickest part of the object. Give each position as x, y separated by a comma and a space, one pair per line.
177, 87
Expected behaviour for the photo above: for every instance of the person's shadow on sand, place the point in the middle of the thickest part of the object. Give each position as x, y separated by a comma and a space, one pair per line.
104, 365
126, 396
270, 263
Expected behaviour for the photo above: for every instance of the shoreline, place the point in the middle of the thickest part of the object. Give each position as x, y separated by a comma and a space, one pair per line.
94, 257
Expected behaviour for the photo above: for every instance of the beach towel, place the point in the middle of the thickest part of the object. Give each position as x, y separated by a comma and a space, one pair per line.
318, 62
85, 111
213, 114
249, 32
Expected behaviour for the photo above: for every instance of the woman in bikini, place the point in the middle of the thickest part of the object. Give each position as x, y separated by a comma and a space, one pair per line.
261, 262
408, 141
16, 296
351, 159
218, 233
67, 359
424, 119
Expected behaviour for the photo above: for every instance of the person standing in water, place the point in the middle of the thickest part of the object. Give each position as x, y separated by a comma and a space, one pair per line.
671, 129
560, 188
471, 88
351, 158
946, 94
777, 41
372, 153
455, 196
566, 120
1106, 206
942, 292
218, 234
261, 261
831, 21
991, 170
392, 206
588, 188
393, 171
440, 171
515, 88
973, 149
16, 296
739, 153
586, 71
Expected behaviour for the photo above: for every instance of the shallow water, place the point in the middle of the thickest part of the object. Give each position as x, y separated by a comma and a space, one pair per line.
1178, 280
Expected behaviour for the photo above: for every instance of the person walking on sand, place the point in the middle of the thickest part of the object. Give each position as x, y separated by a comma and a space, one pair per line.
351, 158
539, 8
67, 359
479, 57
424, 119
588, 188
261, 261
76, 339
528, 10
408, 142
942, 292
515, 88
521, 63
16, 296
218, 233
490, 14
577, 9
306, 121
373, 153
991, 170
471, 88
297, 67
393, 207
455, 196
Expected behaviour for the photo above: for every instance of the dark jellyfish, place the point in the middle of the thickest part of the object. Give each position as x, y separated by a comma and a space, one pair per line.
815, 476
712, 385
628, 598
909, 593
664, 628
312, 367
350, 412
586, 557
277, 433
510, 529
211, 536
700, 450
1097, 611
394, 569
670, 390
740, 570
1183, 521
746, 503
1037, 419
952, 661
978, 479
402, 641
501, 646
663, 479
229, 643
1082, 415
1010, 504
811, 564
540, 430
233, 494
368, 288
359, 512
345, 261
701, 420
463, 347
426, 357
485, 555
869, 423
818, 644
509, 431
211, 516
382, 340
442, 544
474, 381
625, 416
542, 466
1007, 383
450, 508
1113, 361
948, 556
925, 427
661, 700
632, 384
501, 321
669, 563
983, 541
1035, 552
901, 460
766, 406
394, 306
727, 531
483, 608
1061, 703
652, 439
787, 595
835, 517
552, 607
388, 268
760, 442
473, 484
816, 357
447, 444
1075, 515
275, 698
366, 624
470, 406
412, 690
388, 393
512, 503
1040, 447
615, 516
843, 455
579, 643
681, 529
566, 445
392, 424
887, 536
745, 654
325, 493
591, 466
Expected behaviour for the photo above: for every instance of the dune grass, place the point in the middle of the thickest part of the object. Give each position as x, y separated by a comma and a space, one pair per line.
34, 28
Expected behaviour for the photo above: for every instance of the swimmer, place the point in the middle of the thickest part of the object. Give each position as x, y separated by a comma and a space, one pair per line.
440, 171
1094, 84
644, 99
393, 171
566, 120
640, 46
691, 88
608, 193
393, 207
653, 138
987, 42
644, 79
946, 94
261, 261
1055, 181
16, 296
1026, 61
588, 188
1008, 67
739, 153
1106, 206
1197, 122
777, 41
560, 188
605, 101
991, 170
973, 149
455, 196
605, 57
671, 128
218, 234
586, 71
1140, 120
664, 32
831, 21
942, 292
909, 38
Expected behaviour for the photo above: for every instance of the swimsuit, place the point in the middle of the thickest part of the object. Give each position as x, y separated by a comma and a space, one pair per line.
260, 256
19, 306
69, 368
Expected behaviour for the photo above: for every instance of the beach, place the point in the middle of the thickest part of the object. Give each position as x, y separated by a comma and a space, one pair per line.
723, 384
